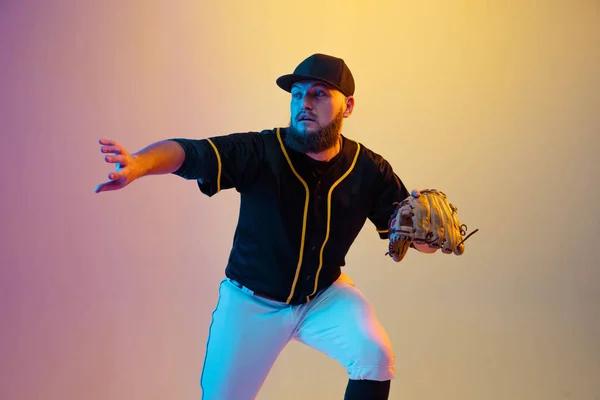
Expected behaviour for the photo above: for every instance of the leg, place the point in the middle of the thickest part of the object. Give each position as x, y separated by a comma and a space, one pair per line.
246, 335
364, 389
341, 323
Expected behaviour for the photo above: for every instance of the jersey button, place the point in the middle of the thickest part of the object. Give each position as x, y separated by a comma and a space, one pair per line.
308, 277
314, 248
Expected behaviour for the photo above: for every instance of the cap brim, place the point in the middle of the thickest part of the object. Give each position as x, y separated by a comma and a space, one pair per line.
287, 81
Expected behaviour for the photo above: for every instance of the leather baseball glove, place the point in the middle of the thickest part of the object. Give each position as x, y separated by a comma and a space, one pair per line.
426, 217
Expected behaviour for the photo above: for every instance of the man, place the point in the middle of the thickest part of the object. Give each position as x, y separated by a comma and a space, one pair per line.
306, 192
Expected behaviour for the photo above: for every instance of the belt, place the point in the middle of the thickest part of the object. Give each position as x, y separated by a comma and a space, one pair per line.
252, 292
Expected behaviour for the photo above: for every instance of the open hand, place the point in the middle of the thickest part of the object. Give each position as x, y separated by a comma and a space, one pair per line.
128, 167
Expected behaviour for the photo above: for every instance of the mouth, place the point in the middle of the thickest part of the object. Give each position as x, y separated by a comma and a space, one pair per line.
306, 118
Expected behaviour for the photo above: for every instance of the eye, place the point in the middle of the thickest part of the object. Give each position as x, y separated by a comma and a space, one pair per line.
320, 93
297, 95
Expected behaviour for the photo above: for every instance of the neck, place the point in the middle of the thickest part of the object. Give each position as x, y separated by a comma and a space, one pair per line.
328, 154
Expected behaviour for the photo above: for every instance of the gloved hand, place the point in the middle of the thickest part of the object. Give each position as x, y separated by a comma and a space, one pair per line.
426, 220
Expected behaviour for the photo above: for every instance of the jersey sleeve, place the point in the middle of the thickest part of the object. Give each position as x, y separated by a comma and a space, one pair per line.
389, 190
222, 162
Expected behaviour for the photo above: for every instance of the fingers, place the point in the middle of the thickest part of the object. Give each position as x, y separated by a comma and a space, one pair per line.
113, 149
117, 179
110, 146
108, 142
108, 186
117, 175
415, 193
116, 159
120, 154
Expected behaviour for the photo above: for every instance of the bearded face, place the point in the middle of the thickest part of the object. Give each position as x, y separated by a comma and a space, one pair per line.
306, 135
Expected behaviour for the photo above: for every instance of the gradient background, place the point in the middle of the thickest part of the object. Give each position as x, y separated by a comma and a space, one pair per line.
109, 296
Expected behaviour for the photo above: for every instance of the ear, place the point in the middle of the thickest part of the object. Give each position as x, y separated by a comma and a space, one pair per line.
349, 106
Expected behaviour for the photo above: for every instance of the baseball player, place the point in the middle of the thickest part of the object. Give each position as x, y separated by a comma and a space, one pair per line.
306, 192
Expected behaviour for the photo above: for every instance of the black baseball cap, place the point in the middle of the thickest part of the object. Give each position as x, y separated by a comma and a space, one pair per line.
323, 68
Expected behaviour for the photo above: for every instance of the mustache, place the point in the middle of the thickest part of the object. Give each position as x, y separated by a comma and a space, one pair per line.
316, 141
305, 114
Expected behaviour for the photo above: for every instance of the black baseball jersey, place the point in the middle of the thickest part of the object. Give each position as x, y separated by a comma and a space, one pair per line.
298, 216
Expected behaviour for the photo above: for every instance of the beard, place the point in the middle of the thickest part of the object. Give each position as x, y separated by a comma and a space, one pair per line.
309, 141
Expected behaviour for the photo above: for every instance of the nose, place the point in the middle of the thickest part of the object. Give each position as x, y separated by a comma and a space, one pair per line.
306, 103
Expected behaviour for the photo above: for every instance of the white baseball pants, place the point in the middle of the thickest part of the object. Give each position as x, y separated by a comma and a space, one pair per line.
248, 332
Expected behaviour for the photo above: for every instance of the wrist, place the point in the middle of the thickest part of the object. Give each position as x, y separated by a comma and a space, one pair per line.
143, 165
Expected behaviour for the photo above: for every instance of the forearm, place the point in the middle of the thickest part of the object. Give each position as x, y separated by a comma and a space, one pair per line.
162, 157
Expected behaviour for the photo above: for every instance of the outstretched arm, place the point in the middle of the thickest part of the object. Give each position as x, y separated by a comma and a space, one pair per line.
159, 158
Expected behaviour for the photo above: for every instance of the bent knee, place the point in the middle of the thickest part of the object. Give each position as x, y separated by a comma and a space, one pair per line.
375, 353
374, 360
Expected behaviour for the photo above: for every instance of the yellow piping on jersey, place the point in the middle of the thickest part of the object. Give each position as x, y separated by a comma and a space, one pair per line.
303, 218
329, 215
383, 231
219, 165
